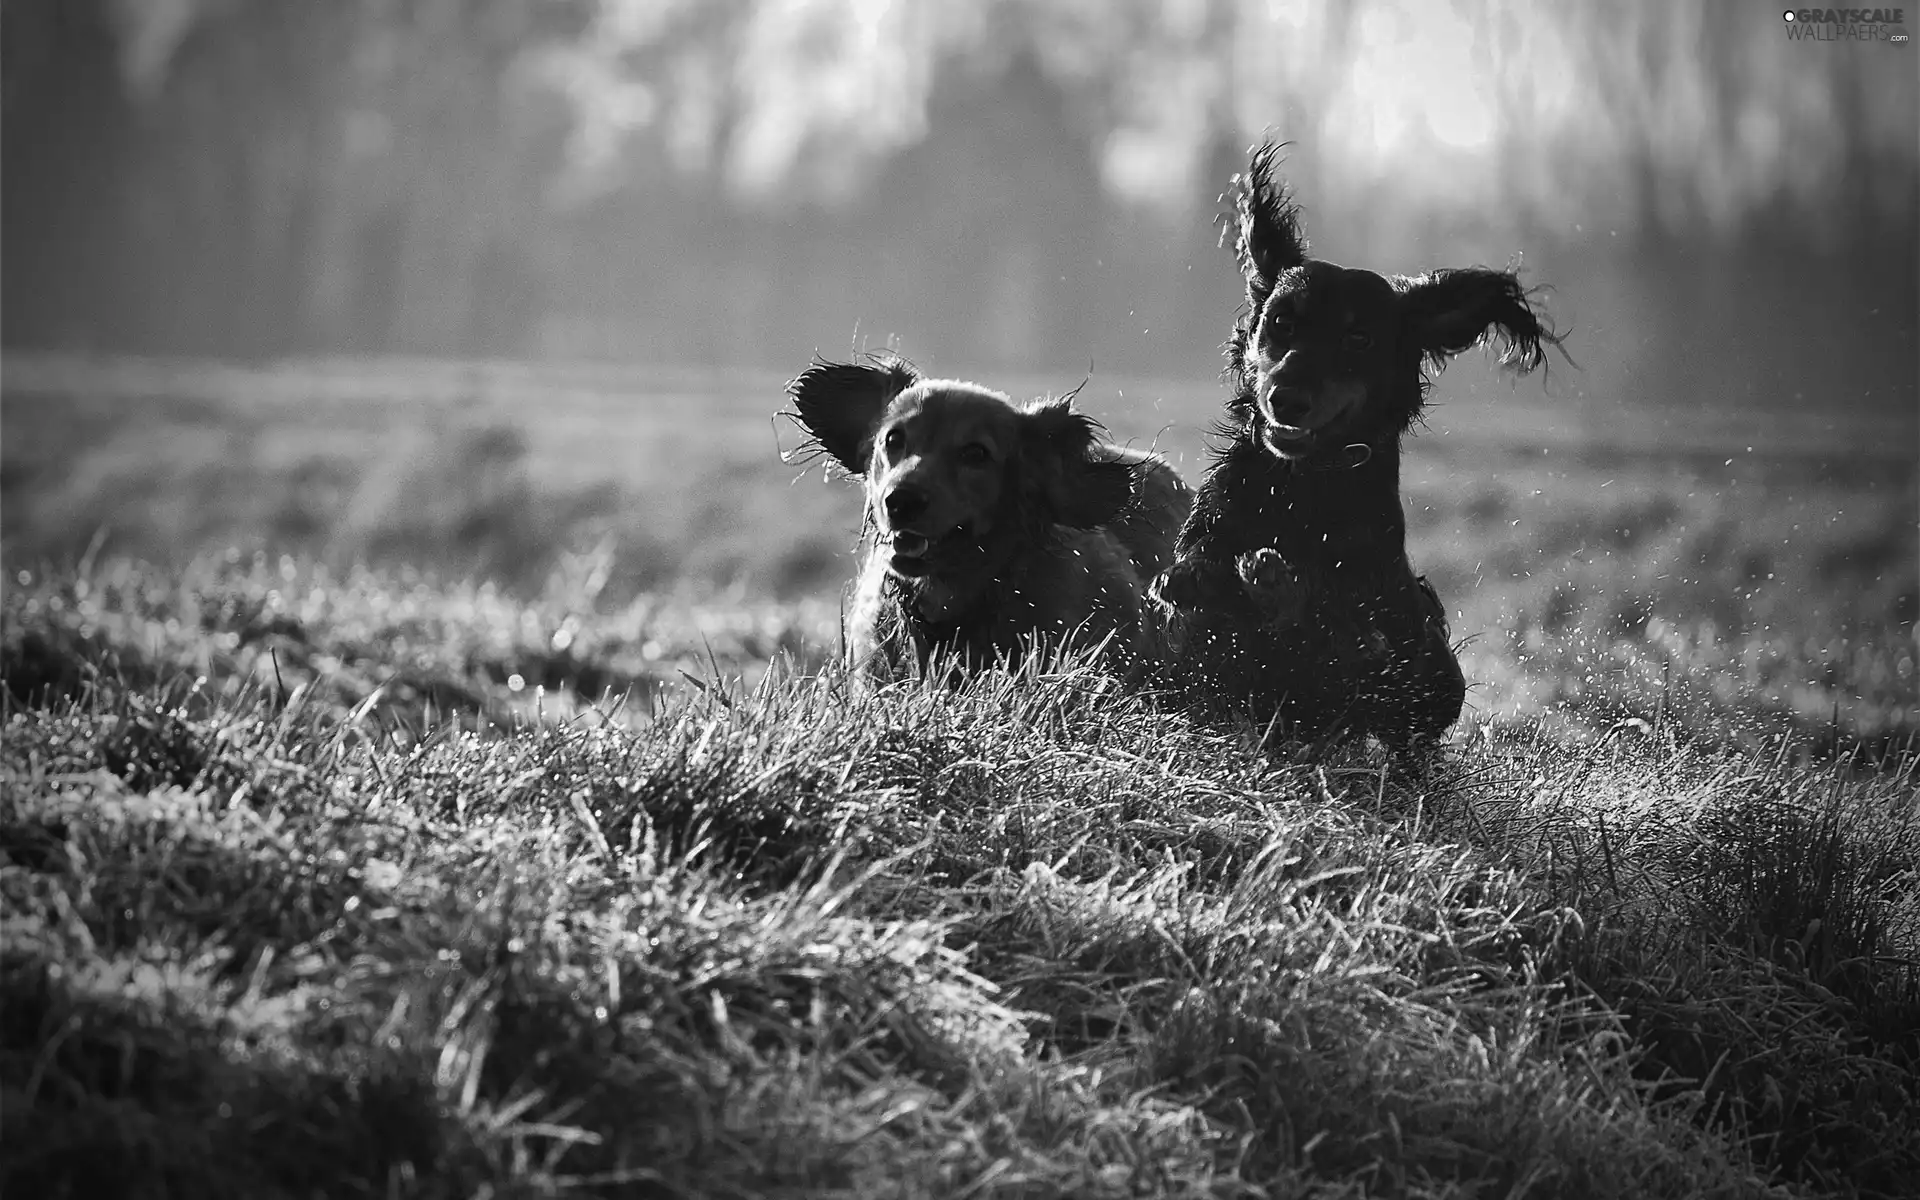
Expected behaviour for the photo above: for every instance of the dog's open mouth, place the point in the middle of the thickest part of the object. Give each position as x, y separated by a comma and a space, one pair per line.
911, 550
1288, 441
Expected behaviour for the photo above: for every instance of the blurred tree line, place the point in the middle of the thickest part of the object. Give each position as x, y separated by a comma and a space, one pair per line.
1011, 183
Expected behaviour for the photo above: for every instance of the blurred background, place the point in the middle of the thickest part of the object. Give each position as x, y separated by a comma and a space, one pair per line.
473, 284
1001, 183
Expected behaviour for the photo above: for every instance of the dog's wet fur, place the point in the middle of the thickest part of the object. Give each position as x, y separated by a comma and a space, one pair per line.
1292, 594
989, 524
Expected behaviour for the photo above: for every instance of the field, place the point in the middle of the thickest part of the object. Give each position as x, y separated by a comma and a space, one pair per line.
1745, 574
429, 779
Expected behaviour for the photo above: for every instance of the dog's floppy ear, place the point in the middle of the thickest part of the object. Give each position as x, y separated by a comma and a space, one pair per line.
1451, 311
840, 403
1079, 488
1267, 238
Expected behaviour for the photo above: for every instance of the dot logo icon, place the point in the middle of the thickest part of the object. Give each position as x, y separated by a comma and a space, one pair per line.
1846, 25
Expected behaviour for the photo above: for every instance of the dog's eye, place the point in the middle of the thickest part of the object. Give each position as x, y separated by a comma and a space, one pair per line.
893, 441
973, 454
1357, 341
1282, 326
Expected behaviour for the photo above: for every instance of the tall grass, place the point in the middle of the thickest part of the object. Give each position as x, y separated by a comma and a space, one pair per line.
284, 918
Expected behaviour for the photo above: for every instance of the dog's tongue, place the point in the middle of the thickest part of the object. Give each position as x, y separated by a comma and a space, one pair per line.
912, 545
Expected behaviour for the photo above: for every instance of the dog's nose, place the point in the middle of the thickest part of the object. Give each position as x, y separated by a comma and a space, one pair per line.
904, 503
1288, 406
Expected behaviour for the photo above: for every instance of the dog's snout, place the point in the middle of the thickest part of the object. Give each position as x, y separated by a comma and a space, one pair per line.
905, 502
1288, 406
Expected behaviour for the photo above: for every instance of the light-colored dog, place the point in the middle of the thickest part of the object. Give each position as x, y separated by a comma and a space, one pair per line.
989, 523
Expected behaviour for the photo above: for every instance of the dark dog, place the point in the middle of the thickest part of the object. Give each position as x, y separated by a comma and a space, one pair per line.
988, 523
1292, 593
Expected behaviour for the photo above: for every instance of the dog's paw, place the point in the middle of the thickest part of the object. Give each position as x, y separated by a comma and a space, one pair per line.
1375, 655
1363, 652
1195, 583
1272, 586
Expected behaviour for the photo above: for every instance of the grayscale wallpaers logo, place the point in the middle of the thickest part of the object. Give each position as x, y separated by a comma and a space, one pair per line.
1847, 24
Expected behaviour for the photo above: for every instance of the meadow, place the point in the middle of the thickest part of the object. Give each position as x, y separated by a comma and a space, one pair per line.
1745, 572
433, 779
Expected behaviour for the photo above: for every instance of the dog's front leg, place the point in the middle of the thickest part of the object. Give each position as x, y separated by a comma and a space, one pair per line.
1260, 580
877, 633
1197, 583
1277, 591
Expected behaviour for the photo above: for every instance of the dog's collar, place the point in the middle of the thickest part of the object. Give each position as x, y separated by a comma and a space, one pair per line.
1349, 456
